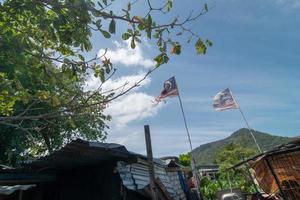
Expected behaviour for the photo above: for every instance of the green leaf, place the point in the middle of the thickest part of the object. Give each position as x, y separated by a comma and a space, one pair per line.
149, 24
161, 59
148, 31
176, 49
107, 70
128, 6
74, 69
81, 57
141, 26
96, 13
112, 26
169, 5
200, 47
101, 75
161, 49
139, 19
127, 15
149, 20
105, 33
132, 43
126, 36
98, 23
206, 7
208, 42
137, 33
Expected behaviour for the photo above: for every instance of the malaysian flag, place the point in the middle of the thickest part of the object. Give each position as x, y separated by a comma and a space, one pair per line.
224, 100
170, 89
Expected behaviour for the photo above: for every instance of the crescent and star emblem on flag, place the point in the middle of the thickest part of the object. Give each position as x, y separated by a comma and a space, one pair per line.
170, 89
167, 86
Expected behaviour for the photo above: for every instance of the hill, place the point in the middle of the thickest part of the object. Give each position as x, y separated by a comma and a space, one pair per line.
205, 154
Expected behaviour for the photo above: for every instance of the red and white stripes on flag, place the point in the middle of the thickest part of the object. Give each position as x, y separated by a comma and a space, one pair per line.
170, 89
224, 100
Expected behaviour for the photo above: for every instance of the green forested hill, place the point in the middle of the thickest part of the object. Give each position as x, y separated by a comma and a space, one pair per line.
205, 154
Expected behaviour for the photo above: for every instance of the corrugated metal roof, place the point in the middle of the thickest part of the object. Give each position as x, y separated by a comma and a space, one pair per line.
132, 167
82, 153
179, 193
136, 176
7, 190
292, 146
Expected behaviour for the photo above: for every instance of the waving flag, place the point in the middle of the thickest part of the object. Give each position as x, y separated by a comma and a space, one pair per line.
170, 89
224, 100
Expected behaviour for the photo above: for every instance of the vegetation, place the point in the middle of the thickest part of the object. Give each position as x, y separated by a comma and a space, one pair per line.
206, 154
232, 154
43, 69
228, 156
226, 153
185, 159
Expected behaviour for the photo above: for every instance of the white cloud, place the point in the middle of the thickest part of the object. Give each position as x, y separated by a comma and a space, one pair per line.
127, 82
93, 83
288, 3
132, 107
124, 54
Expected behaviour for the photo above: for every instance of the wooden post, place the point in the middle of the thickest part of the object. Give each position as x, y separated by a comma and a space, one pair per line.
150, 162
20, 195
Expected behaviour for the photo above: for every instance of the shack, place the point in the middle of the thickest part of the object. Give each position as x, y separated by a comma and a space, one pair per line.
277, 171
89, 170
209, 171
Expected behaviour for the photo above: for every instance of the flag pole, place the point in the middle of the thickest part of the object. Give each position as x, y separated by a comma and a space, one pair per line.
193, 163
247, 124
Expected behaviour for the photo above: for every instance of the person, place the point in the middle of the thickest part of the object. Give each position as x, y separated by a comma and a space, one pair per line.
193, 194
192, 182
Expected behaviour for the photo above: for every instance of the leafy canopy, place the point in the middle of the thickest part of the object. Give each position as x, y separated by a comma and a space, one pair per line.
43, 68
232, 154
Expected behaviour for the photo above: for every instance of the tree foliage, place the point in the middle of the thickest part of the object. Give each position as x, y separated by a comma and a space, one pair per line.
43, 67
185, 159
232, 154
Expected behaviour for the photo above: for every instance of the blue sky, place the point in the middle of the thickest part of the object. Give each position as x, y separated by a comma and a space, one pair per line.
255, 52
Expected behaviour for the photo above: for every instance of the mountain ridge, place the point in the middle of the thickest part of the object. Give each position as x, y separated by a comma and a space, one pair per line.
205, 153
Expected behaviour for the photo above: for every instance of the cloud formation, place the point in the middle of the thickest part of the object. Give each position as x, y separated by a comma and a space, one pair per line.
125, 55
117, 84
134, 106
